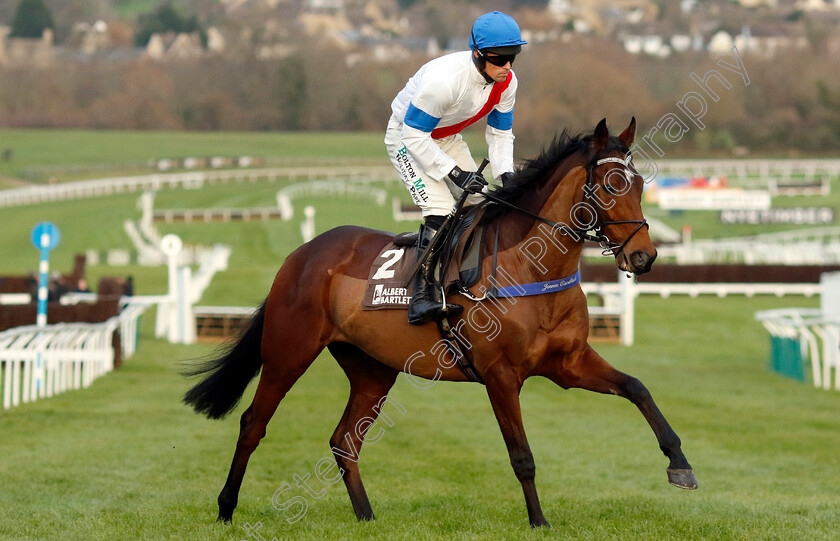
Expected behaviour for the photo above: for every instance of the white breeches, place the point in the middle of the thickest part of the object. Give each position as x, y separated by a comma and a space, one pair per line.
435, 198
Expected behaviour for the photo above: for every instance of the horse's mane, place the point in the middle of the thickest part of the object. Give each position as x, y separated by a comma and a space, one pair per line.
537, 169
561, 147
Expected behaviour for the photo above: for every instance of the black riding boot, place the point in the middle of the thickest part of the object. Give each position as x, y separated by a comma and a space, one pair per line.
424, 306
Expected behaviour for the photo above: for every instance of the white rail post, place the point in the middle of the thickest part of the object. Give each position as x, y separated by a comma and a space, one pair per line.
830, 308
182, 330
307, 227
171, 246
628, 302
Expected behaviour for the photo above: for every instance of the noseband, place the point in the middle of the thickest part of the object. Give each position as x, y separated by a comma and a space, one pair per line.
594, 233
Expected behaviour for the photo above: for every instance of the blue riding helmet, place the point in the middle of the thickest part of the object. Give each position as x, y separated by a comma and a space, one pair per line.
497, 33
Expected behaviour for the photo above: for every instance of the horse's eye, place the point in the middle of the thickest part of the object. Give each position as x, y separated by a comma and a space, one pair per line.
610, 189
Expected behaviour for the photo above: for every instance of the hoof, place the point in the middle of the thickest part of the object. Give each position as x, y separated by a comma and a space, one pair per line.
682, 478
225, 517
541, 524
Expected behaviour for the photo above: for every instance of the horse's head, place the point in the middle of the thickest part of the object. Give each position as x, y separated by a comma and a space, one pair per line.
614, 189
584, 188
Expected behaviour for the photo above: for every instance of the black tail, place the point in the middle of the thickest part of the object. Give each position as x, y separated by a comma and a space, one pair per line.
229, 375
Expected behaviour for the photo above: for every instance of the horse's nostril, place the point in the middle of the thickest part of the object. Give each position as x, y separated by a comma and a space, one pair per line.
641, 262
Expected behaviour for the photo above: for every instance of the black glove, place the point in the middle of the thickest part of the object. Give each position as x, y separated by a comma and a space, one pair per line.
506, 178
469, 181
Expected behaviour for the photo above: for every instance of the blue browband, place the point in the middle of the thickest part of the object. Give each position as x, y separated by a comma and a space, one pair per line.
552, 286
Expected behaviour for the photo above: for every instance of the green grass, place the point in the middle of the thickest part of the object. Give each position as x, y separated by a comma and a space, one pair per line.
124, 459
39, 149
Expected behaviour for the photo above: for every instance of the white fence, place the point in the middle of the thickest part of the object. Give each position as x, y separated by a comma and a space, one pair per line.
31, 195
147, 242
619, 300
129, 319
322, 188
39, 362
816, 330
619, 297
808, 328
722, 289
758, 173
813, 246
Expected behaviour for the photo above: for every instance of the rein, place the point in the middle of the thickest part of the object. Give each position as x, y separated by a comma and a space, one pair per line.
594, 233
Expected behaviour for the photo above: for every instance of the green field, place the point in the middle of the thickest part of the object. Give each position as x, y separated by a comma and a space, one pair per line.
57, 155
125, 460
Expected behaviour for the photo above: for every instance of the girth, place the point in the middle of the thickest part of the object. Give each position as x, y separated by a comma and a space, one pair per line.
462, 358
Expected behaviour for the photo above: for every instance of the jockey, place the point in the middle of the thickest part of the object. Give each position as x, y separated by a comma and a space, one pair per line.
424, 142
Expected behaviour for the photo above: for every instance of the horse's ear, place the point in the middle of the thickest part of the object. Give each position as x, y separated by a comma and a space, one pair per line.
629, 134
601, 136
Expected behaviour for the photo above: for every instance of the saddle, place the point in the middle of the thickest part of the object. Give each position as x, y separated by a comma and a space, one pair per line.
458, 261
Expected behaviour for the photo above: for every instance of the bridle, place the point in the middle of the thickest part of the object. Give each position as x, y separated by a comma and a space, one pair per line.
595, 232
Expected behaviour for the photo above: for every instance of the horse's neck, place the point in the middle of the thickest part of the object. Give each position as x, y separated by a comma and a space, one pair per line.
545, 253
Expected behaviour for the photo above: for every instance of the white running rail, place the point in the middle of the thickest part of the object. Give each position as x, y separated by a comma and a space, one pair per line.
813, 327
30, 195
39, 362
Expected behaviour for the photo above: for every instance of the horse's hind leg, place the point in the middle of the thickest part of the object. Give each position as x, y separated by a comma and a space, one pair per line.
281, 369
503, 390
370, 382
592, 372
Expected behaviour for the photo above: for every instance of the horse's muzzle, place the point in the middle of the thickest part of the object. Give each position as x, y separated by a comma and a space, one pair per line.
641, 262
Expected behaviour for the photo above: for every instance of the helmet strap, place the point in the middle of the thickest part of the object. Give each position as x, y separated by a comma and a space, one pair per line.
481, 64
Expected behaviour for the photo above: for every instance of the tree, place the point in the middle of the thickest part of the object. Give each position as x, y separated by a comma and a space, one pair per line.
31, 19
165, 19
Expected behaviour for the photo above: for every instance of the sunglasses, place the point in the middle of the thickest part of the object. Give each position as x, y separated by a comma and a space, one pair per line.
499, 60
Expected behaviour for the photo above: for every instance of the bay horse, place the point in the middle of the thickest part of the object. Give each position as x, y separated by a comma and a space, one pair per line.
586, 181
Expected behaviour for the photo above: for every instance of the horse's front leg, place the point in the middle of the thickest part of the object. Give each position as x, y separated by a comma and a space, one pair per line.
588, 370
503, 389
